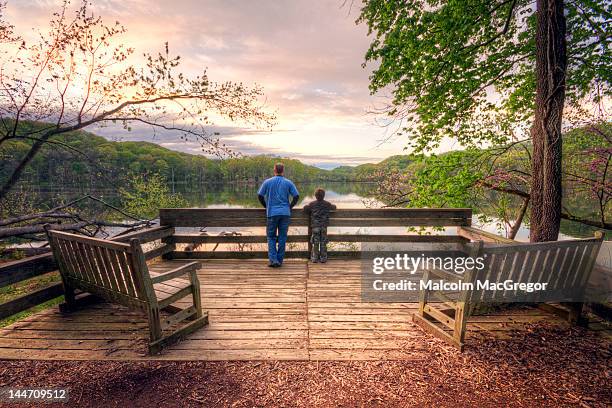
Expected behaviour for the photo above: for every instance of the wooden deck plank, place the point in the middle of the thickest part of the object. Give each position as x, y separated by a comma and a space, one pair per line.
300, 312
130, 335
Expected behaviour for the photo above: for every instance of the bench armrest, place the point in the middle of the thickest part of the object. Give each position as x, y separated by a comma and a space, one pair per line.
176, 272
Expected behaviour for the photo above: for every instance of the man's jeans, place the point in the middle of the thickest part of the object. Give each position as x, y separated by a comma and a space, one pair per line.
276, 230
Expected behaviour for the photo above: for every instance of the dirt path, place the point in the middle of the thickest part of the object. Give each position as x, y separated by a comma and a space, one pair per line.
543, 366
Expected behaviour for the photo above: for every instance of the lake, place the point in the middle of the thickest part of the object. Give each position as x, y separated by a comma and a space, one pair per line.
343, 194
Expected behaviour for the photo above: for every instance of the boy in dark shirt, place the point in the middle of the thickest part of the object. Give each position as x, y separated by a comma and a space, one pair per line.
319, 220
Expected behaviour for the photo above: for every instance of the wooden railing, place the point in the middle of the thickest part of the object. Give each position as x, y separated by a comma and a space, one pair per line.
18, 271
228, 218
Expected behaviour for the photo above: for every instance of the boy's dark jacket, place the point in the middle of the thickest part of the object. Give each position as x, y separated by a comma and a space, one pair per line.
319, 212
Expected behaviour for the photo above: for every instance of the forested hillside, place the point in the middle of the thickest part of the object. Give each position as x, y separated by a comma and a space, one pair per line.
90, 161
83, 158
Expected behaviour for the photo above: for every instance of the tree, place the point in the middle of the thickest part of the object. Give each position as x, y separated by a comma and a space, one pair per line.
147, 194
550, 78
79, 74
465, 70
496, 181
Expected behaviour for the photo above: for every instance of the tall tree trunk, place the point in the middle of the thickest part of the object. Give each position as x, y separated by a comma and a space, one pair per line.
551, 64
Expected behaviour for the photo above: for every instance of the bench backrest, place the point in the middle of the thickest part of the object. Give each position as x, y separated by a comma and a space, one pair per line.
565, 265
114, 271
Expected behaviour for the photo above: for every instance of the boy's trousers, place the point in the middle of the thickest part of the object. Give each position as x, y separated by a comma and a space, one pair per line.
319, 244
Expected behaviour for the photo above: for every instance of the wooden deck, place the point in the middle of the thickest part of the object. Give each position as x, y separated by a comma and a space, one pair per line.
300, 312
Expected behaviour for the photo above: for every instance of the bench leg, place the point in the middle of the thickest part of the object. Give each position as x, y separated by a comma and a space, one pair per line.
69, 304
197, 299
423, 296
156, 346
570, 311
426, 322
155, 331
574, 316
196, 318
461, 314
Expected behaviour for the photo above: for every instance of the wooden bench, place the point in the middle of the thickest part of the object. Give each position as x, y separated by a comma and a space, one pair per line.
565, 265
118, 273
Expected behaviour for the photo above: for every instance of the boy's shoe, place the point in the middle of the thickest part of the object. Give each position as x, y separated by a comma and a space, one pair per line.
314, 260
323, 260
274, 265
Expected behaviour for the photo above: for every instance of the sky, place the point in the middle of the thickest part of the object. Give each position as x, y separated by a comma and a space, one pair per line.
307, 55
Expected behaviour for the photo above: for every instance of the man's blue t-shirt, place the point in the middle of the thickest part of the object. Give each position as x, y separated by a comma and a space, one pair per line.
276, 192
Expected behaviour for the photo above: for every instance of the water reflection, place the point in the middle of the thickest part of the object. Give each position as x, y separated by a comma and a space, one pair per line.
343, 194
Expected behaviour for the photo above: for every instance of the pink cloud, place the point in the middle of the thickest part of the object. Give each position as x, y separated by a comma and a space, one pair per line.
307, 55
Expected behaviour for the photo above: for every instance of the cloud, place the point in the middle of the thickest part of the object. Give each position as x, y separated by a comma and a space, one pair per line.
306, 54
231, 137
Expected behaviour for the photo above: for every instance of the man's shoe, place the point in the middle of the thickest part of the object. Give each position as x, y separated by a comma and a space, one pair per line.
323, 260
314, 260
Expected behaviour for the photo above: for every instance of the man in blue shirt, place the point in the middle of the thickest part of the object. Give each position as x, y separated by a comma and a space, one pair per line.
274, 196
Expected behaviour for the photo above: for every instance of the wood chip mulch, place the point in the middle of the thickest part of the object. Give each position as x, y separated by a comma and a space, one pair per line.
543, 366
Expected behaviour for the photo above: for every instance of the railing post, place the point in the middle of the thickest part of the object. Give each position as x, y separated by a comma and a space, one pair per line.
309, 233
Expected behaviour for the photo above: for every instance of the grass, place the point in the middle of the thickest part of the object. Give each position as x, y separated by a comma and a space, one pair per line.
16, 290
28, 312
